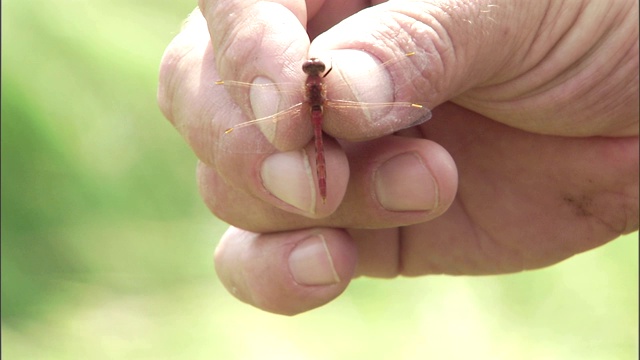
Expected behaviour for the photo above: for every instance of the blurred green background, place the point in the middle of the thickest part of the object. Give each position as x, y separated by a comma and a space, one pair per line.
107, 248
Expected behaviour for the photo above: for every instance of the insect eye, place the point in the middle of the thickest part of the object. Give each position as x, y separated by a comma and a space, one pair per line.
313, 66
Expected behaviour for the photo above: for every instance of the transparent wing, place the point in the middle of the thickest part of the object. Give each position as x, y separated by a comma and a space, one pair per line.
350, 119
358, 121
285, 130
287, 124
280, 129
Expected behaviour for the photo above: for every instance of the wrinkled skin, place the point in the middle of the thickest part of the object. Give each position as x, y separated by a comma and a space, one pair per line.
531, 155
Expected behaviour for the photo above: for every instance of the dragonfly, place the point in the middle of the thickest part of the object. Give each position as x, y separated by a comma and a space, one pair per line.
305, 109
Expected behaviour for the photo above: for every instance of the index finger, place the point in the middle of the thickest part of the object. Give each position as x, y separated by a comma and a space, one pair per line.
244, 33
250, 47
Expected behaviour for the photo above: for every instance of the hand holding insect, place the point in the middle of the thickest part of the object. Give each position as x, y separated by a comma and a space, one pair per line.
540, 116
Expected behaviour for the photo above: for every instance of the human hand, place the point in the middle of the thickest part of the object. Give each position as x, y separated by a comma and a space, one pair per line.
537, 114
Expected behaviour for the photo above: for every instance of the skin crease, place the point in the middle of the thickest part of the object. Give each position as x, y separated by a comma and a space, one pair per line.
533, 133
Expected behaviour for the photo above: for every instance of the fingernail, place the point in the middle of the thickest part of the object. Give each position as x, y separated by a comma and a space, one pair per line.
264, 103
403, 183
288, 176
310, 263
360, 62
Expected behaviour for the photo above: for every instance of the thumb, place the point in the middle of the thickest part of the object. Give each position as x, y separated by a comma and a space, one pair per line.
532, 65
456, 47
